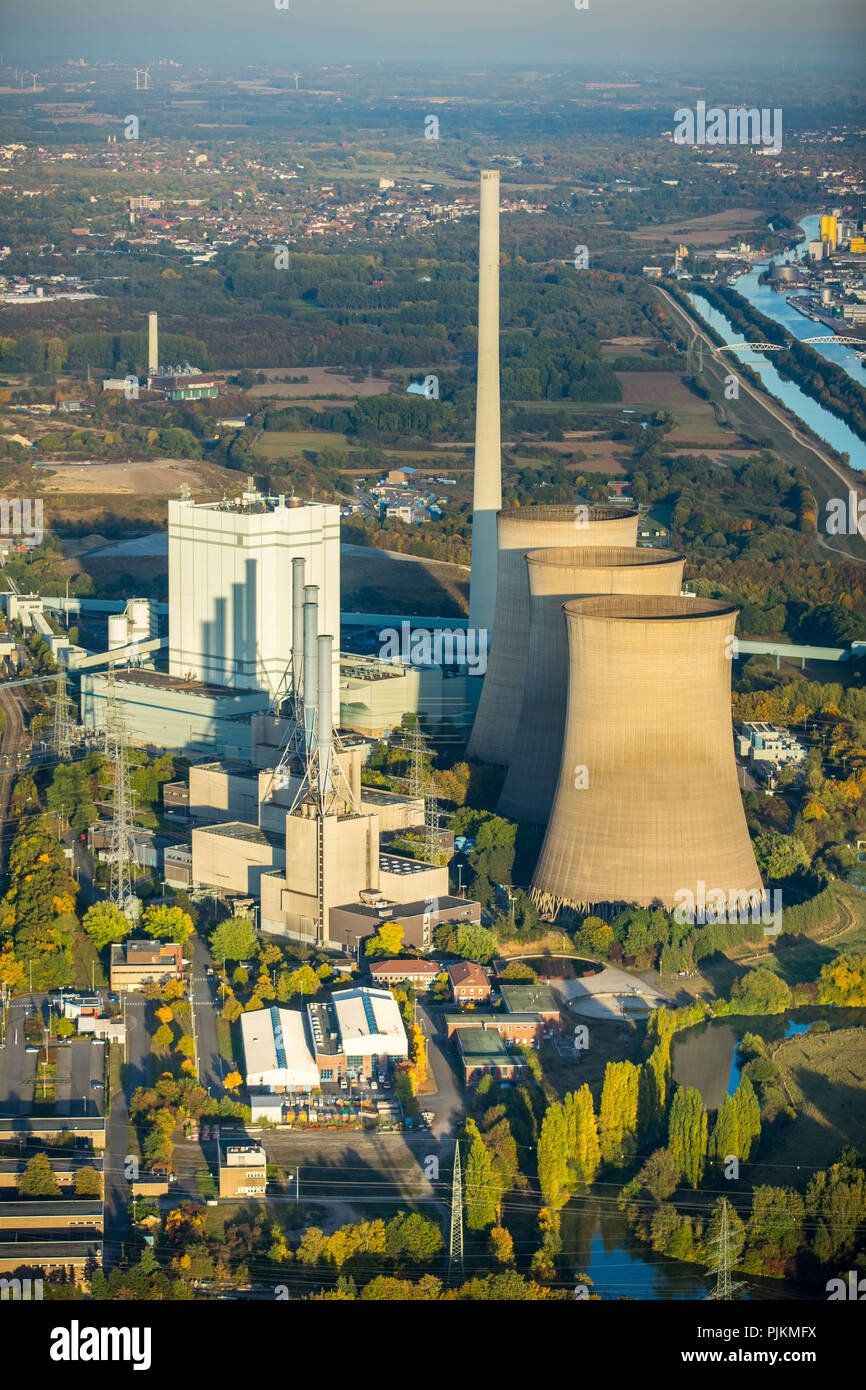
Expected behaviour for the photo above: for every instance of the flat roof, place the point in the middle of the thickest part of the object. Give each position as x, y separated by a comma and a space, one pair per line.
59, 1206
36, 1252
239, 830
397, 864
484, 1043
233, 766
161, 680
526, 998
398, 910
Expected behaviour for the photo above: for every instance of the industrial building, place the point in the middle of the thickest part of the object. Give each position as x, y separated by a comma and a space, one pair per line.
136, 963
554, 577
167, 711
520, 529
230, 586
647, 803
764, 743
483, 1053
242, 1170
357, 1034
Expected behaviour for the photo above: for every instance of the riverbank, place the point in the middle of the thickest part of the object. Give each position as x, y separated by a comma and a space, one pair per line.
758, 416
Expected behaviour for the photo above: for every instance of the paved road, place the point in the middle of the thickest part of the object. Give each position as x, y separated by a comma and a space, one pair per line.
205, 1003
117, 1188
17, 1066
447, 1104
10, 742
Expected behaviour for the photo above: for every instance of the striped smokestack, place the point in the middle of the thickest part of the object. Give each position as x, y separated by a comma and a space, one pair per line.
152, 344
487, 491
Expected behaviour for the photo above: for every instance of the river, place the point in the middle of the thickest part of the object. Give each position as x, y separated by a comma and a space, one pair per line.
827, 426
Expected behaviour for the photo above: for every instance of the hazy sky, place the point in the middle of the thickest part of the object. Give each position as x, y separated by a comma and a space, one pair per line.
656, 32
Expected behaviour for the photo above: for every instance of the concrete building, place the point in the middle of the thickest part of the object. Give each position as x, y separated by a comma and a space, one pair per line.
166, 711
230, 586
554, 577
375, 695
359, 1035
538, 999
765, 743
520, 529
23, 1129
136, 963
649, 721
242, 1170
224, 790
487, 485
469, 983
234, 857
352, 923
57, 1218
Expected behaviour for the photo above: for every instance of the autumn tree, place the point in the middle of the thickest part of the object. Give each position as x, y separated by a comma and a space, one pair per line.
553, 1151
617, 1121
584, 1150
386, 942
104, 923
482, 1192
687, 1133
38, 1178
167, 923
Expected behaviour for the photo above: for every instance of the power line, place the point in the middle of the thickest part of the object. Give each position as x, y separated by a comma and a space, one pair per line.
455, 1253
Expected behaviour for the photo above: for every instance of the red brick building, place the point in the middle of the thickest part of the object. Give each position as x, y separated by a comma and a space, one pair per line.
469, 984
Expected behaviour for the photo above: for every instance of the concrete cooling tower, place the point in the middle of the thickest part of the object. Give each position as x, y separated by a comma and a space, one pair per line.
554, 577
521, 529
647, 804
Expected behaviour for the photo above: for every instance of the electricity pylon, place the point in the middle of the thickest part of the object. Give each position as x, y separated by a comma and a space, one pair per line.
431, 824
120, 855
61, 738
417, 748
722, 1261
455, 1256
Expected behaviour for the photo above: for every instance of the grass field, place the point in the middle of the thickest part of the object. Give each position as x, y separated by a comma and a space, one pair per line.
825, 1077
278, 443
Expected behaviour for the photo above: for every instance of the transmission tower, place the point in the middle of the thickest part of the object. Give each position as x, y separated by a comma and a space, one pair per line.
61, 738
722, 1260
417, 748
431, 823
120, 855
455, 1256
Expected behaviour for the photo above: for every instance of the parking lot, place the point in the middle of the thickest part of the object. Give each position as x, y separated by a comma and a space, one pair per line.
80, 1064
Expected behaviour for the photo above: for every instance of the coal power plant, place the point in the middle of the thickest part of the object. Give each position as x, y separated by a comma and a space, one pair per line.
521, 529
647, 804
555, 576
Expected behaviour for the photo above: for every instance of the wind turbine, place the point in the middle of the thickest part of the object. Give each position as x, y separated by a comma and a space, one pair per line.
296, 75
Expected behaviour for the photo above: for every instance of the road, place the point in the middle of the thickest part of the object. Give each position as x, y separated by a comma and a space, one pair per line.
17, 1066
206, 1005
10, 742
136, 1073
447, 1104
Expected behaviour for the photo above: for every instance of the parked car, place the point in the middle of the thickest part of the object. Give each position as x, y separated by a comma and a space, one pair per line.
31, 1048
97, 1085
374, 1085
381, 1078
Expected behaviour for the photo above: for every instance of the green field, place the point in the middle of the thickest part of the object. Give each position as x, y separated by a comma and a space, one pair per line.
278, 443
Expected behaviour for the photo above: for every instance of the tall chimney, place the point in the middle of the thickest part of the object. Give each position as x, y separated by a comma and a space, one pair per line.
311, 684
487, 492
325, 729
298, 566
152, 344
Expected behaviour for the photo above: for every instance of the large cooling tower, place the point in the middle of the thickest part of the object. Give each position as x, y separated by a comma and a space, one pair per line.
554, 577
647, 803
521, 529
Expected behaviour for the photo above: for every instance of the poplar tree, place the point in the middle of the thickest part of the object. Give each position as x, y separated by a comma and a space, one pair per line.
749, 1116
617, 1121
481, 1188
726, 1135
553, 1158
584, 1151
687, 1133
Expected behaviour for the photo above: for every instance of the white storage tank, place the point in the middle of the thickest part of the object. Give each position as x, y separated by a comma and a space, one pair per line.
117, 631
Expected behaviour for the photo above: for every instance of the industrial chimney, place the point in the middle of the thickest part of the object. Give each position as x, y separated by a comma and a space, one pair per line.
554, 577
311, 683
325, 728
521, 529
647, 803
487, 490
152, 344
298, 568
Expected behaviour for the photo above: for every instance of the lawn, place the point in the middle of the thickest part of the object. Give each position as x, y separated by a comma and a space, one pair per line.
277, 443
825, 1077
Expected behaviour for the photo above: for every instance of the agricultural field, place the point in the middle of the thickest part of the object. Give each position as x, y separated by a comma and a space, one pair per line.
373, 582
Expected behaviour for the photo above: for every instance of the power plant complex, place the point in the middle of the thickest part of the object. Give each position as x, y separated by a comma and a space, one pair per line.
606, 702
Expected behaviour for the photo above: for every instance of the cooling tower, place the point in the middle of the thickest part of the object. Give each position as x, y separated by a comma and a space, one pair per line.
647, 804
487, 486
554, 577
521, 529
